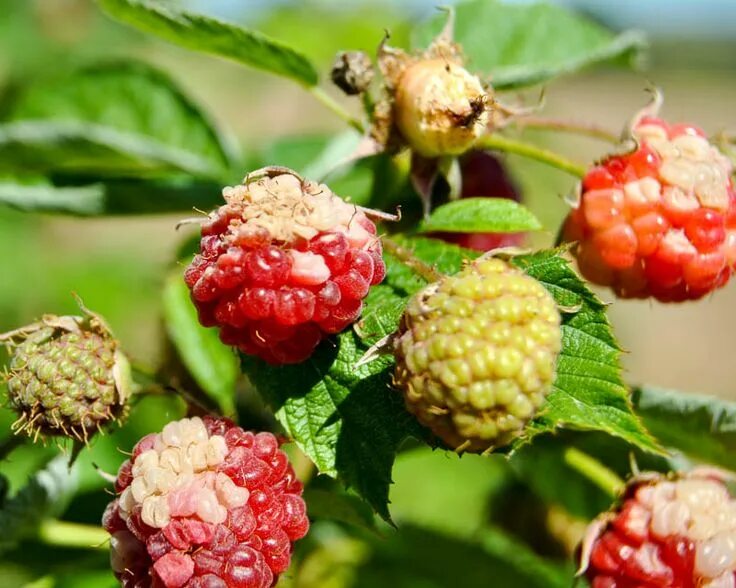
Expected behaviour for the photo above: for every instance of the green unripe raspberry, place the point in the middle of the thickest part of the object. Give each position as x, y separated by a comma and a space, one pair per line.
476, 354
66, 376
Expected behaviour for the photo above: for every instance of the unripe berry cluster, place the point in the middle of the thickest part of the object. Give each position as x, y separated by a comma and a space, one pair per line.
476, 354
67, 376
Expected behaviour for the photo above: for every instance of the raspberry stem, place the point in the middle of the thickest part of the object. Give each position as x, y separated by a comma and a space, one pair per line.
603, 477
587, 130
405, 256
501, 143
328, 102
65, 534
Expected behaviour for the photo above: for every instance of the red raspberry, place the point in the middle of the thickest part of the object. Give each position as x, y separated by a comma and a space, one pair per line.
484, 175
282, 265
205, 504
666, 534
660, 221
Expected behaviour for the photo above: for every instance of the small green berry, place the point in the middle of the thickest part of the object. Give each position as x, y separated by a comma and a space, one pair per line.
476, 354
66, 376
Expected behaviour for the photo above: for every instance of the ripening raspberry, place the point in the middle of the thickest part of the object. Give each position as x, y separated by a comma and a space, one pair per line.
282, 265
204, 504
660, 221
667, 533
476, 354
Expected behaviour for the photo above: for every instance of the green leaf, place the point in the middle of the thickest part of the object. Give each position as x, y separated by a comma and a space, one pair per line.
345, 418
700, 426
209, 35
40, 195
118, 196
66, 147
138, 104
588, 392
481, 215
46, 495
212, 364
522, 44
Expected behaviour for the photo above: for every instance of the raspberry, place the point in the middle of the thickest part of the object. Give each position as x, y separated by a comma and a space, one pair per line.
660, 221
66, 377
205, 504
476, 353
283, 264
669, 533
484, 175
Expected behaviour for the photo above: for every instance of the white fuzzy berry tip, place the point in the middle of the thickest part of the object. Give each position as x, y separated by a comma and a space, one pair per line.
177, 477
289, 209
696, 172
698, 509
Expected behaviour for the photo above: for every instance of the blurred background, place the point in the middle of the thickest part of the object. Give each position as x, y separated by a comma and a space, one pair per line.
117, 265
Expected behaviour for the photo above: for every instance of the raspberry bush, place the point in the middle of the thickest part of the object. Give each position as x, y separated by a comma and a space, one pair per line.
372, 363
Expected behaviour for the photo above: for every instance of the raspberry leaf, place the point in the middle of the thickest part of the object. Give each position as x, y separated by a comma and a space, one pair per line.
37, 194
46, 495
703, 427
588, 392
209, 35
531, 42
345, 418
120, 196
213, 365
120, 119
481, 215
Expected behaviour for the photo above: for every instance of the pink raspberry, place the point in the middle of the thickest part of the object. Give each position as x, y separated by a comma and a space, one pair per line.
484, 175
205, 504
667, 533
282, 265
660, 221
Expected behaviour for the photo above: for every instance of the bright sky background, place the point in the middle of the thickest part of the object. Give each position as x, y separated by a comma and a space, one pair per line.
693, 18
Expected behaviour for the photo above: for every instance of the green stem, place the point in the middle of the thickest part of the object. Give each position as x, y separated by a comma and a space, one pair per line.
336, 108
603, 477
501, 143
405, 256
65, 534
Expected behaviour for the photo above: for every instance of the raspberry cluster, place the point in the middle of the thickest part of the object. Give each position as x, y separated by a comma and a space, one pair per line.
667, 534
205, 504
476, 354
660, 221
66, 376
282, 265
